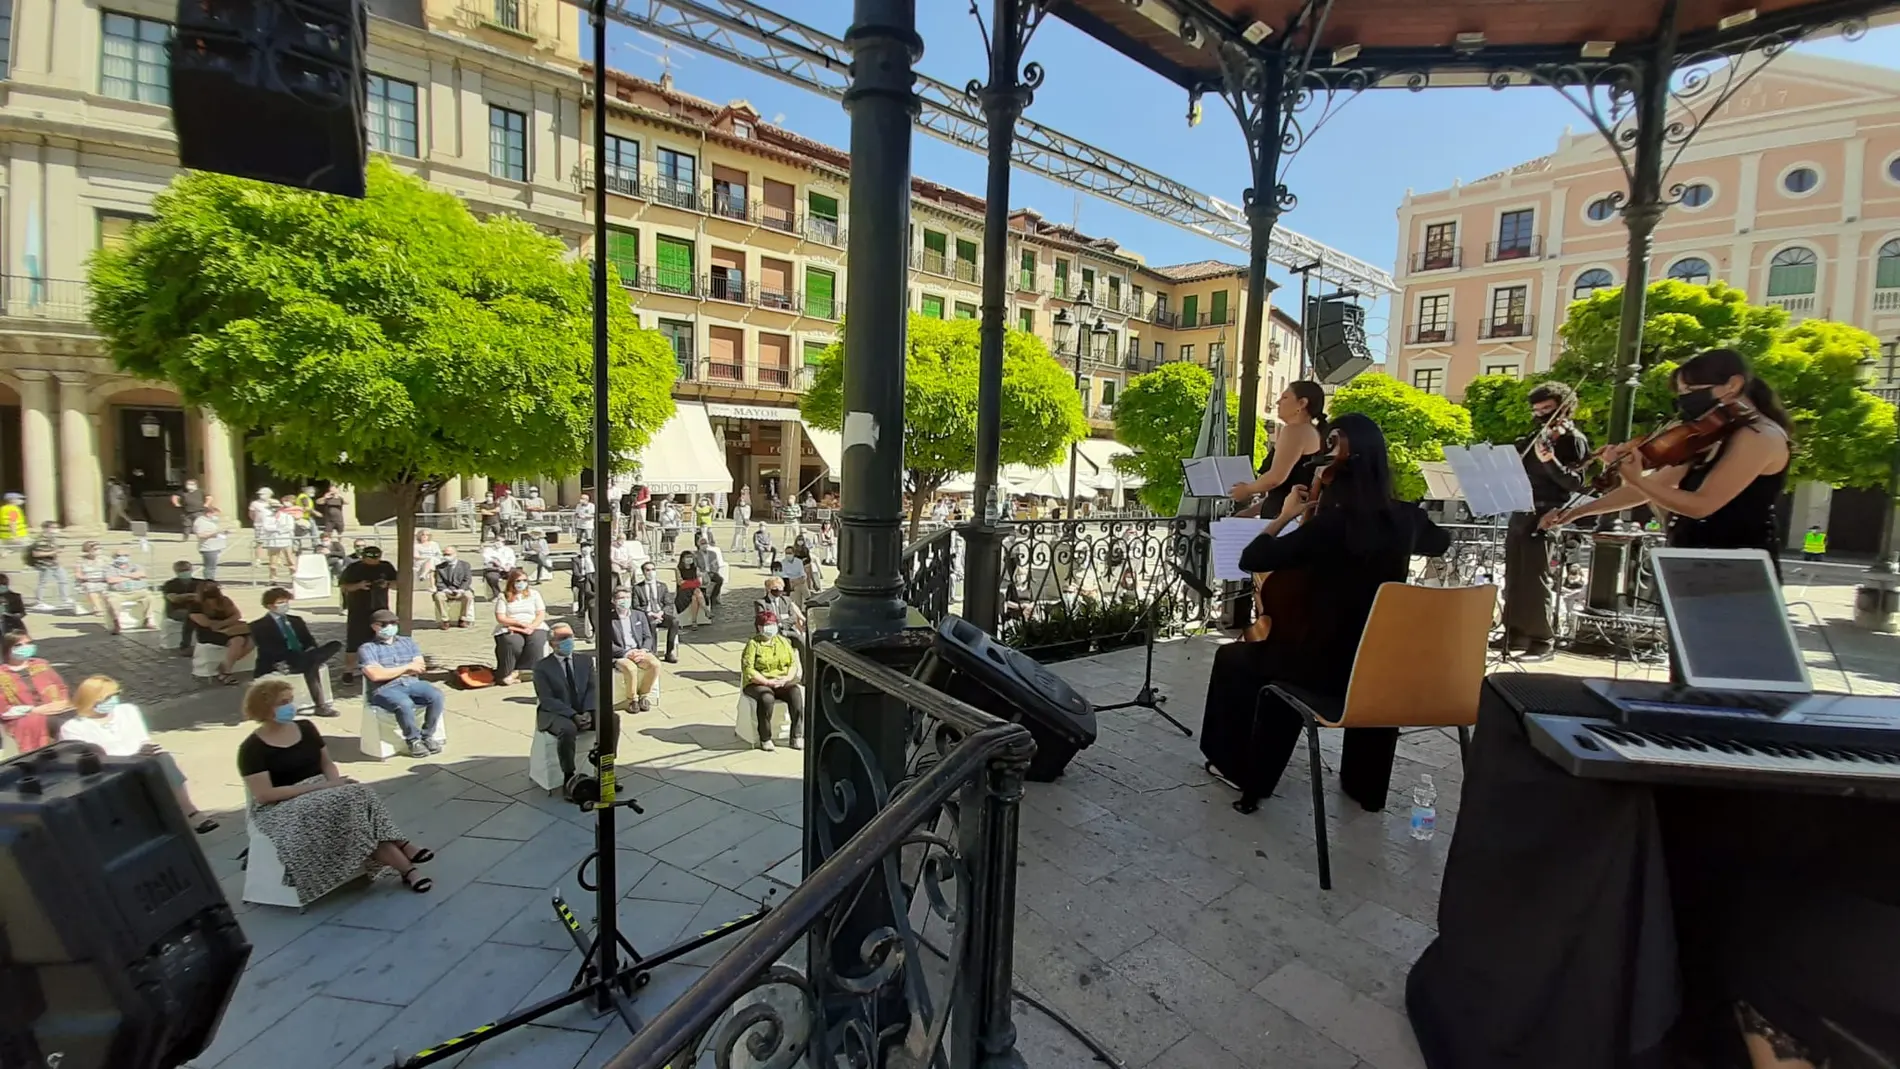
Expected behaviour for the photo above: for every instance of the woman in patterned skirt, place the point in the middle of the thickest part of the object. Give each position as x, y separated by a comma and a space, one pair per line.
328, 829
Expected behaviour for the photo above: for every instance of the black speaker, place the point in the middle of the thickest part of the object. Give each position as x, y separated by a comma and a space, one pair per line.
966, 663
272, 90
117, 947
1336, 330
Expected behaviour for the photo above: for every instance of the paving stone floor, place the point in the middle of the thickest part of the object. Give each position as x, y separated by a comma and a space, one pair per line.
1178, 932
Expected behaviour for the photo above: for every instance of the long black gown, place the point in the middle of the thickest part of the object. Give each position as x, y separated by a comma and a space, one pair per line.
1349, 558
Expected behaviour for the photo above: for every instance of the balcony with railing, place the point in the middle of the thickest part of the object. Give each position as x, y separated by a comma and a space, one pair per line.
1799, 306
1026, 282
824, 230
622, 180
725, 287
669, 280
963, 270
683, 353
930, 262
1102, 413
777, 299
729, 370
1165, 317
1524, 248
1522, 326
53, 300
774, 375
1438, 260
1887, 300
677, 193
776, 218
822, 307
1436, 333
730, 204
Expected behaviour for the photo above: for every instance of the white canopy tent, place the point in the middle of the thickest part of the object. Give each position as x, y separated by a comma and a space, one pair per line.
684, 457
1101, 452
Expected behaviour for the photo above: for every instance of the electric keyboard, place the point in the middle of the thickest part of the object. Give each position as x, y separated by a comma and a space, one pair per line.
1655, 733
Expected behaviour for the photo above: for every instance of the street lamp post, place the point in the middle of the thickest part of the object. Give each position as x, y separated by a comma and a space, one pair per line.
1877, 600
1064, 323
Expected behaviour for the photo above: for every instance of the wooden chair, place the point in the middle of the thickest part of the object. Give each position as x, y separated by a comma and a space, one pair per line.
1420, 664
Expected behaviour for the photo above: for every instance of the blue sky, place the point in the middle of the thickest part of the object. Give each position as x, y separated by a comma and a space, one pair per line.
1349, 180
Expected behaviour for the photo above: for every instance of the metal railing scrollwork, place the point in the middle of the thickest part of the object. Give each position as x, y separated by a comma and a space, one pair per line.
929, 567
937, 853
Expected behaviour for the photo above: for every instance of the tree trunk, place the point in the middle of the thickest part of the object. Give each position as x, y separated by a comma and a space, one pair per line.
922, 491
408, 494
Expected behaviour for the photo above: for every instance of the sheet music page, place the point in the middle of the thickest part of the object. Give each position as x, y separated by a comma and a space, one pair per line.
1230, 536
1203, 478
1233, 470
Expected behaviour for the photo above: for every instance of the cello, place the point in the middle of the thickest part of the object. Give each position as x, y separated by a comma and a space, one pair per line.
1284, 595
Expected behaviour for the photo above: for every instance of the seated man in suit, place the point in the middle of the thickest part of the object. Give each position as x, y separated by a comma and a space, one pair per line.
634, 643
284, 641
453, 583
653, 597
566, 696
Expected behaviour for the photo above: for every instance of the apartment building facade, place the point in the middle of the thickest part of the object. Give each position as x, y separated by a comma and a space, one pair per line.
480, 97
1791, 192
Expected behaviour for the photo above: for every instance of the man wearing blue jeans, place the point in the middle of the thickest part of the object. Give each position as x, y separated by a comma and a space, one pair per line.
392, 669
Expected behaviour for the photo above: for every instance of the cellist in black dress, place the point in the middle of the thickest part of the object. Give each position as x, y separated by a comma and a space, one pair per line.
1352, 540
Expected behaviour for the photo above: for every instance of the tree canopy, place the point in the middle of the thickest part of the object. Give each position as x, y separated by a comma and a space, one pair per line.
1159, 416
1417, 424
1843, 434
389, 341
1042, 412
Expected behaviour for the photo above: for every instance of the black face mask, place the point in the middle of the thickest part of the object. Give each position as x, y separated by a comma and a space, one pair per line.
1543, 418
1696, 403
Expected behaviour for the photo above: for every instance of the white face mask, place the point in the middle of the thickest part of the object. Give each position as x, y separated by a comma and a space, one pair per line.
521, 584
769, 630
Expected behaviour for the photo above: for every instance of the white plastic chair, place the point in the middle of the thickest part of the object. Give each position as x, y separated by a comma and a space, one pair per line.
264, 878
312, 577
205, 659
544, 759
745, 718
306, 700
380, 737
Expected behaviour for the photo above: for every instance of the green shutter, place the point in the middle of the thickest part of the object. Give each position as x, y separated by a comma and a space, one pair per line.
1189, 306
1026, 320
674, 260
933, 306
814, 350
1062, 278
822, 206
966, 311
966, 251
1027, 279
936, 242
623, 253
819, 286
1887, 268
1220, 306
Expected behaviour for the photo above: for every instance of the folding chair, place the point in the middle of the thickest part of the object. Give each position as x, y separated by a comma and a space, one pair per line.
1420, 663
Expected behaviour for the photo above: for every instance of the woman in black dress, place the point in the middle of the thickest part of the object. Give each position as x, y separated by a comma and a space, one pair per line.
1725, 498
1299, 449
1357, 539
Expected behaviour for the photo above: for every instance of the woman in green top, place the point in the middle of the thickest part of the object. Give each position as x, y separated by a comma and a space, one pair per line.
768, 671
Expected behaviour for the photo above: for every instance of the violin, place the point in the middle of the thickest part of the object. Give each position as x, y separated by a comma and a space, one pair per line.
1286, 596
1678, 442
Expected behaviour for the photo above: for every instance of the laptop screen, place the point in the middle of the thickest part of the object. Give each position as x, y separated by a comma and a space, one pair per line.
1728, 621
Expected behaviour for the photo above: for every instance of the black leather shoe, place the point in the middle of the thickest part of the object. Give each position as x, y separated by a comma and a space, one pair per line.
1535, 655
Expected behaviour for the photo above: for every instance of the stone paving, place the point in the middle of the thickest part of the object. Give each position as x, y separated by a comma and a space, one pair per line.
1176, 931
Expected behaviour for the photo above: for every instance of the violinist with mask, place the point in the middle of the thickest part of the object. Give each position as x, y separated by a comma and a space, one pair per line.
1349, 542
1553, 454
1724, 495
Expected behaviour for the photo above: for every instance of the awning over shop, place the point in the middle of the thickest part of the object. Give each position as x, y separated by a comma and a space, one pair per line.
1102, 453
830, 447
684, 457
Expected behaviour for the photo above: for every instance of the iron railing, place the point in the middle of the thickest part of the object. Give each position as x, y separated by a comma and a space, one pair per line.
824, 231
1431, 333
59, 300
964, 270
1438, 259
683, 354
729, 203
678, 193
774, 217
724, 370
625, 183
726, 287
1522, 326
930, 262
930, 567
933, 851
1524, 248
782, 300
1165, 317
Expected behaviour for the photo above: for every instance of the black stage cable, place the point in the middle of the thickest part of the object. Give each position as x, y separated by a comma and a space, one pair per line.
1102, 1053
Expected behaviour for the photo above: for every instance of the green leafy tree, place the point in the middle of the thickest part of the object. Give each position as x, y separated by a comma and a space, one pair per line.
1417, 424
1843, 434
390, 341
1500, 407
1159, 416
1042, 413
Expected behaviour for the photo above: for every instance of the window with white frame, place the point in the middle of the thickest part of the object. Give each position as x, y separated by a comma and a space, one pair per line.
1589, 282
507, 143
134, 58
1501, 369
389, 115
1429, 379
1434, 319
1887, 266
1792, 271
1692, 269
1508, 304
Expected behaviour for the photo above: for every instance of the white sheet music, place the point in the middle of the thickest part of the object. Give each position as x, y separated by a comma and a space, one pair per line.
1491, 477
1215, 476
1230, 536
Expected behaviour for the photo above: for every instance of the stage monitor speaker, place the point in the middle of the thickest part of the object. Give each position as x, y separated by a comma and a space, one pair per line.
966, 663
1336, 330
273, 90
117, 947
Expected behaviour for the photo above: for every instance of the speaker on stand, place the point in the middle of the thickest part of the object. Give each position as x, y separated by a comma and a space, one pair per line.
966, 663
1336, 331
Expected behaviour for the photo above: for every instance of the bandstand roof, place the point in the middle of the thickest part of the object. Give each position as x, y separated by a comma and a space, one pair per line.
1420, 35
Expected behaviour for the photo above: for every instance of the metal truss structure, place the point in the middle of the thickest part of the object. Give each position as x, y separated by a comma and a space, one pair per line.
753, 36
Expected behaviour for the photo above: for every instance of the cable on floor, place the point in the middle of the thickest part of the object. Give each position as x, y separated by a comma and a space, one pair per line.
1102, 1053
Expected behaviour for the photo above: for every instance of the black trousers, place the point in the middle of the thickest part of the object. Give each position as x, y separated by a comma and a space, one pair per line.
1252, 748
766, 698
493, 577
519, 653
310, 664
1530, 583
714, 584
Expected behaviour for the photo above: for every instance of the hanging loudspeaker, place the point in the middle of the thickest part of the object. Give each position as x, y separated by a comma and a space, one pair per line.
272, 90
1336, 329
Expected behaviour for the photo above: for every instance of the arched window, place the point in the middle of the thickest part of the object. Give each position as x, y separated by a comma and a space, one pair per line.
1589, 282
1692, 269
1600, 209
1696, 194
1887, 266
1791, 272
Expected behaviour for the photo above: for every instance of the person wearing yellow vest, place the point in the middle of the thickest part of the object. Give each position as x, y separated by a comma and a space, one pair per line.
1814, 544
13, 525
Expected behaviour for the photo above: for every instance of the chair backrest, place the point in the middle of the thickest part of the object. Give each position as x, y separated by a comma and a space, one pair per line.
1421, 659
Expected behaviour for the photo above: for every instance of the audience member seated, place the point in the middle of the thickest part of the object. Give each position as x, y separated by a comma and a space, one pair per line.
117, 728
34, 701
791, 618
392, 672
327, 829
453, 585
127, 585
712, 568
654, 598
12, 607
768, 672
581, 586
689, 595
566, 699
521, 629
181, 600
498, 559
89, 576
633, 643
283, 641
534, 550
219, 623
628, 557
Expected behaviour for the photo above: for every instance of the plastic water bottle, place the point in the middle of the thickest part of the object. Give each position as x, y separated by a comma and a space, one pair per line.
1424, 809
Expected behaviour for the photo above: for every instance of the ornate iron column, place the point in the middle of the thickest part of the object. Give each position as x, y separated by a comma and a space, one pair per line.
1256, 89
1003, 100
1642, 210
857, 732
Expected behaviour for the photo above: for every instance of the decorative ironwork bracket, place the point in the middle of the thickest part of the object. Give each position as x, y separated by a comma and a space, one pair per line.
1015, 97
